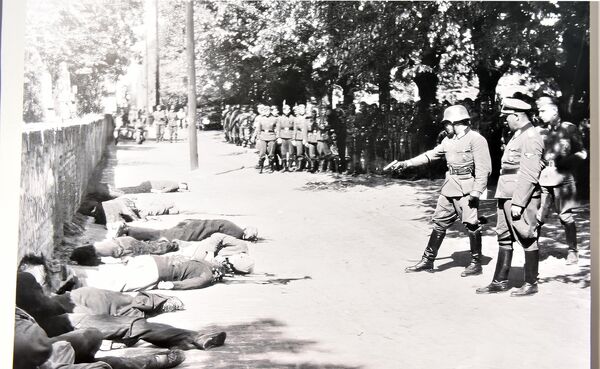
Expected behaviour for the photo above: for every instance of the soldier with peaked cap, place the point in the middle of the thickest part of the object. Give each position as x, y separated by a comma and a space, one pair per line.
265, 132
300, 136
469, 165
518, 195
284, 131
564, 151
323, 138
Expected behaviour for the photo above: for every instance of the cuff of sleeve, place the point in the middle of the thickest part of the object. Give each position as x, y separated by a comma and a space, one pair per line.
475, 193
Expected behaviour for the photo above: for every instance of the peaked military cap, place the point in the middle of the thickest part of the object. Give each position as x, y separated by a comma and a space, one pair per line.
545, 100
511, 105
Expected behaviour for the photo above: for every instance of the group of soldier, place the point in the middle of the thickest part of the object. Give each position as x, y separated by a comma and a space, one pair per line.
537, 172
290, 142
537, 168
163, 120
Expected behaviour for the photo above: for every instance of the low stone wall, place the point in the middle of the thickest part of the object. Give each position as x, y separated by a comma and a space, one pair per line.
56, 164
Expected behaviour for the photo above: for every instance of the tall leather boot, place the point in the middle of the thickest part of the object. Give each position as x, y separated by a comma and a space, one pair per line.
475, 244
325, 165
261, 164
571, 235
500, 281
285, 163
315, 165
301, 164
426, 263
272, 165
532, 261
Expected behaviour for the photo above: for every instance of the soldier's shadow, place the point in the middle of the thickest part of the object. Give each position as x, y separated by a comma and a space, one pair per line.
460, 259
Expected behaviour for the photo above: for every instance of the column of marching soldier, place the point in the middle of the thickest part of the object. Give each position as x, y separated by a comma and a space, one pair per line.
537, 172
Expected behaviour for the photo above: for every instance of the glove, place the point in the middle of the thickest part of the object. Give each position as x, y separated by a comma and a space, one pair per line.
473, 201
515, 212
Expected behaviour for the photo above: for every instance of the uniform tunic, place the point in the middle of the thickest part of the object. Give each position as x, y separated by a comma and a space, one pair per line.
265, 130
284, 129
323, 136
469, 165
300, 133
312, 136
521, 165
557, 180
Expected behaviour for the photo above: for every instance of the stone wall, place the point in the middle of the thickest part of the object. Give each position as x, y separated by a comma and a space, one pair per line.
56, 164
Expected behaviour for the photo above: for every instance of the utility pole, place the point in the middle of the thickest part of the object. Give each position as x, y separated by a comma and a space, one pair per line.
192, 135
152, 62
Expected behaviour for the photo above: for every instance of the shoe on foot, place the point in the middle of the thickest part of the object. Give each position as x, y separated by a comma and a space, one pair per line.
472, 269
425, 265
494, 287
208, 341
526, 290
572, 257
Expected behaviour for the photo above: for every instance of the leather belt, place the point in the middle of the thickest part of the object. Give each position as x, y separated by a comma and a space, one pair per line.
508, 171
268, 131
460, 171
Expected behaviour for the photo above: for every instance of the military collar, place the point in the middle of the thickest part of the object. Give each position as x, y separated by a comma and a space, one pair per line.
522, 129
457, 137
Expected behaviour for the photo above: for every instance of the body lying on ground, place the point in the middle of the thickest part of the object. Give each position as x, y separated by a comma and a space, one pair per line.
120, 247
191, 230
59, 315
33, 349
148, 272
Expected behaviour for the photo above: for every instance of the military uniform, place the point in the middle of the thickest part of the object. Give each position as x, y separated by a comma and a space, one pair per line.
518, 190
246, 125
312, 136
284, 130
469, 165
300, 136
562, 141
265, 131
172, 124
323, 140
160, 119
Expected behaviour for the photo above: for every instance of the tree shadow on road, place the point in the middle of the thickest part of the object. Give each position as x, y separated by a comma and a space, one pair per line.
252, 345
341, 182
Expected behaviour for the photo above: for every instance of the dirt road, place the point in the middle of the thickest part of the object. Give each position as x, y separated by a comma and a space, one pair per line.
353, 237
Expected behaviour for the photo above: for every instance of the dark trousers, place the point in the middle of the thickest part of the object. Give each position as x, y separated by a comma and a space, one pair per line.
188, 230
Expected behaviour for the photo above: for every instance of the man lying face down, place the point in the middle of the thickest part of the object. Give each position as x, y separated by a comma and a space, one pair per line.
190, 230
95, 308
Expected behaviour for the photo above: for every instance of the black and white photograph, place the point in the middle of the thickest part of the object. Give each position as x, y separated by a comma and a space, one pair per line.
302, 184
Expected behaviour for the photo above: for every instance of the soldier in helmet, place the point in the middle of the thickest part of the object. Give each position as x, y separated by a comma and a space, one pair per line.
518, 195
300, 136
284, 131
564, 151
469, 165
